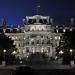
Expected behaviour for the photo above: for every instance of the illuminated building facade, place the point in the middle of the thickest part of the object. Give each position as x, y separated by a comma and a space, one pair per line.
38, 34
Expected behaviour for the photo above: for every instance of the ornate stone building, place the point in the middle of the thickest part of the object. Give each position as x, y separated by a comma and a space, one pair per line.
38, 34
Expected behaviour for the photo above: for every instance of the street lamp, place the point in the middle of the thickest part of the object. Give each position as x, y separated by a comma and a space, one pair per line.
14, 52
71, 51
4, 51
4, 62
72, 61
61, 58
61, 52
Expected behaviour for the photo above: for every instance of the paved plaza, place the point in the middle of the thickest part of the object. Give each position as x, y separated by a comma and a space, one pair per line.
9, 70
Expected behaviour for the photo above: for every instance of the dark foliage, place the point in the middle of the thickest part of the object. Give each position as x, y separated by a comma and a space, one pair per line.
67, 42
7, 44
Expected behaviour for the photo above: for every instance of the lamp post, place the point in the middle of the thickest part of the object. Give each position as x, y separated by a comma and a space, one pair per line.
14, 53
4, 53
71, 62
60, 60
4, 62
71, 51
61, 52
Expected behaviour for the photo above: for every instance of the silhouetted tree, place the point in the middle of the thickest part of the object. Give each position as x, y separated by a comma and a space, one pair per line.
67, 42
7, 44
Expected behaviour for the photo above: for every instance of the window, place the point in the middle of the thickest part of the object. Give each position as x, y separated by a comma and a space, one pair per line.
42, 41
32, 42
7, 30
27, 42
41, 36
14, 30
64, 30
57, 30
56, 37
37, 41
48, 49
60, 30
33, 35
48, 42
31, 21
27, 49
44, 21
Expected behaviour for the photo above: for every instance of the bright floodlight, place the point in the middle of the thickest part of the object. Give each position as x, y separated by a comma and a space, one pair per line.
71, 50
61, 52
4, 50
14, 52
64, 30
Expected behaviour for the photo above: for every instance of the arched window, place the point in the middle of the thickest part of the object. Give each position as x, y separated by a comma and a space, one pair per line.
32, 42
37, 41
42, 41
48, 41
48, 49
27, 49
7, 30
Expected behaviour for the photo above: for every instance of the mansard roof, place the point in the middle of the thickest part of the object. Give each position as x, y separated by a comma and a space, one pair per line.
37, 19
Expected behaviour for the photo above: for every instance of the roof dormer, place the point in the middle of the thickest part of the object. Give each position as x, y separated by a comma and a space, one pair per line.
37, 19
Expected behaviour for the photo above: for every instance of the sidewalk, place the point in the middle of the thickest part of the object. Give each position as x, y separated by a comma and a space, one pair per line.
13, 67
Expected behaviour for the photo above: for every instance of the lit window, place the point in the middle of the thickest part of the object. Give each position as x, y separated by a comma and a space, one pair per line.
13, 38
32, 39
59, 37
24, 31
14, 43
56, 38
56, 26
64, 30
70, 29
27, 56
33, 50
16, 37
4, 30
42, 50
47, 51
50, 37
24, 38
23, 51
56, 57
9, 37
57, 30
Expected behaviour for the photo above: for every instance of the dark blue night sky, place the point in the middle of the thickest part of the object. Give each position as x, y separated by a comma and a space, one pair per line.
14, 10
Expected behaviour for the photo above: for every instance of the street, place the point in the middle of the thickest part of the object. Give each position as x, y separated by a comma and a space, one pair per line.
40, 69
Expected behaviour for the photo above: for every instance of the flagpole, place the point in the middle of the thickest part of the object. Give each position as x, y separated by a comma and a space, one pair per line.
38, 9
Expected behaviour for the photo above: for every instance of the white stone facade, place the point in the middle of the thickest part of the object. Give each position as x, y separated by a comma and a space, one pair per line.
37, 35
